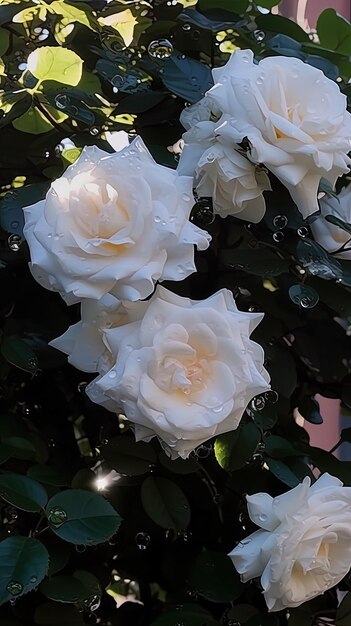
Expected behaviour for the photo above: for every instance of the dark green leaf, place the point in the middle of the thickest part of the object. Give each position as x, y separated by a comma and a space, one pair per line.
279, 24
334, 31
259, 261
186, 78
283, 472
279, 448
187, 616
237, 6
179, 466
165, 503
23, 492
213, 577
317, 261
71, 589
19, 447
233, 450
309, 409
126, 456
53, 614
17, 352
343, 614
24, 564
82, 517
346, 435
11, 205
49, 475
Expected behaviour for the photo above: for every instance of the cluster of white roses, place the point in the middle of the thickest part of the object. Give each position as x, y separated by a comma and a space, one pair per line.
182, 370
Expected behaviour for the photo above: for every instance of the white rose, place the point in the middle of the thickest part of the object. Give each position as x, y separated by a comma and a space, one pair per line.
234, 183
186, 371
293, 116
113, 223
303, 546
83, 342
328, 235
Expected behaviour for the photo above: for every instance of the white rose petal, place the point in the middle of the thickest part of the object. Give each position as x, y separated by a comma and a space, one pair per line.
293, 116
331, 237
113, 223
185, 372
220, 170
303, 546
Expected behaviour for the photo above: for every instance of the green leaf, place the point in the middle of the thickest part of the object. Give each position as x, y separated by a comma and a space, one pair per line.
236, 6
57, 477
334, 31
283, 472
213, 577
32, 121
126, 456
236, 448
4, 40
338, 222
23, 492
165, 503
71, 589
343, 613
82, 517
24, 563
317, 261
17, 352
187, 78
71, 154
19, 447
55, 63
73, 14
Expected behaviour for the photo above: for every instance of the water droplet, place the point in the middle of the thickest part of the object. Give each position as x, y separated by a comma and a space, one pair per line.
94, 131
157, 219
218, 409
211, 157
112, 374
33, 579
202, 214
185, 197
302, 231
14, 588
80, 548
57, 516
262, 517
15, 224
14, 242
186, 27
271, 396
278, 236
81, 386
280, 221
93, 602
259, 35
202, 452
258, 403
22, 67
62, 101
142, 540
160, 49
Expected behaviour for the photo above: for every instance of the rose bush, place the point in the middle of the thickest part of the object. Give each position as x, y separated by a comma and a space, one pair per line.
303, 546
185, 372
221, 171
293, 116
330, 236
113, 223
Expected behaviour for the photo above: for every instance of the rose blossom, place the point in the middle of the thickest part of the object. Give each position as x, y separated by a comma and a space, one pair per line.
221, 171
185, 372
83, 342
113, 223
303, 546
328, 235
293, 116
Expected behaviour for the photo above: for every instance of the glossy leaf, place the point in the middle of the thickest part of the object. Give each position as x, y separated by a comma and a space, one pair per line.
165, 503
23, 492
24, 564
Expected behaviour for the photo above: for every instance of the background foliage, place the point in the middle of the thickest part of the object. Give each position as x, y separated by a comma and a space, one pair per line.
133, 66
